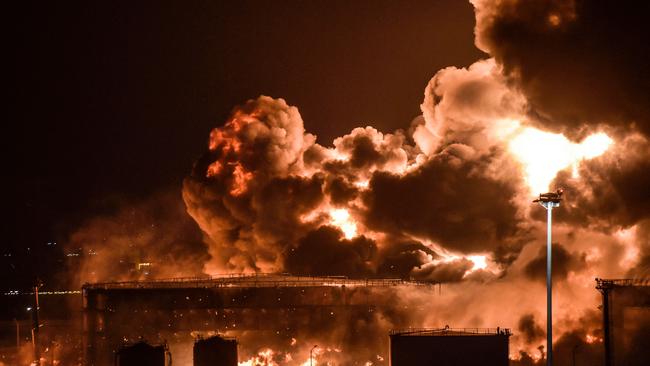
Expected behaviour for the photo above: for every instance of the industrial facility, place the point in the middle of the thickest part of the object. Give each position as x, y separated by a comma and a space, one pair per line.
626, 320
116, 311
448, 346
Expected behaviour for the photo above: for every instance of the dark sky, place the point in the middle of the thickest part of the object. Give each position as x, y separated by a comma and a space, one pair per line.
113, 101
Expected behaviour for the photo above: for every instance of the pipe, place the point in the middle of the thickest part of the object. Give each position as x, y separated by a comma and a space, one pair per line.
549, 291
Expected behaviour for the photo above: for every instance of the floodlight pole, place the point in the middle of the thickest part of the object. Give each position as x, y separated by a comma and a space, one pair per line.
549, 286
311, 355
549, 201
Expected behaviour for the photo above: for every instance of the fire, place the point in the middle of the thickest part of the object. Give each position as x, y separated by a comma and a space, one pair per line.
270, 357
340, 218
214, 169
592, 339
240, 180
543, 154
480, 262
264, 357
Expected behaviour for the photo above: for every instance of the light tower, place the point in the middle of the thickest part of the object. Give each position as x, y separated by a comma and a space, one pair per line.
549, 201
311, 355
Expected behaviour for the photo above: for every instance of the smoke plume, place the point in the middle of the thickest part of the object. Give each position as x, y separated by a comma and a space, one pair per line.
448, 198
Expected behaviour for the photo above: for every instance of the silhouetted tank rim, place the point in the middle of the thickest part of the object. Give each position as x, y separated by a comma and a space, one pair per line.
447, 331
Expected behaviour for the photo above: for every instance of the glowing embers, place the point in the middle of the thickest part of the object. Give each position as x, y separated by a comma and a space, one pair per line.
341, 218
543, 154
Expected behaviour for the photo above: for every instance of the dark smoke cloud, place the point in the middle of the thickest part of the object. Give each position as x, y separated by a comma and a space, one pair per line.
420, 202
242, 192
580, 63
612, 191
263, 215
400, 259
563, 263
582, 345
324, 252
449, 199
530, 329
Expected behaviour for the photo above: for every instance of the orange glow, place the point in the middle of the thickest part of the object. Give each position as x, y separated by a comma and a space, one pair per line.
592, 339
554, 20
480, 262
340, 218
362, 184
263, 358
240, 179
214, 169
544, 154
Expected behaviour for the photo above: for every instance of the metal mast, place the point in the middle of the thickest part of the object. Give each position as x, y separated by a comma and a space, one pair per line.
549, 201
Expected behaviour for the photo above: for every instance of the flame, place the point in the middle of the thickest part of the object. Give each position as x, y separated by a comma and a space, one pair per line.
214, 169
592, 339
480, 262
543, 154
263, 358
225, 139
340, 218
240, 180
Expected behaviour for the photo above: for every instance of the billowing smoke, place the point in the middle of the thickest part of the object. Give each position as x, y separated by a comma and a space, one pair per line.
270, 198
448, 199
580, 63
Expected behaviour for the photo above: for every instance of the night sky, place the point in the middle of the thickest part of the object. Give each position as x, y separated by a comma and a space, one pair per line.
113, 101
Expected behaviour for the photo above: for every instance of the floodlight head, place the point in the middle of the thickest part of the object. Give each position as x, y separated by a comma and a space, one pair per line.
551, 198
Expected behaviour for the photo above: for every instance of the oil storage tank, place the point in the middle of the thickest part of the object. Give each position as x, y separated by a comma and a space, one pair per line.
449, 347
142, 354
215, 351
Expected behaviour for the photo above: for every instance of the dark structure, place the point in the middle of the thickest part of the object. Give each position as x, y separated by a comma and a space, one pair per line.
449, 347
142, 354
215, 351
265, 302
626, 321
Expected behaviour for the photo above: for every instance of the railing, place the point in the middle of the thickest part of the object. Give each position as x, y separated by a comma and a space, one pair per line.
446, 331
254, 280
606, 284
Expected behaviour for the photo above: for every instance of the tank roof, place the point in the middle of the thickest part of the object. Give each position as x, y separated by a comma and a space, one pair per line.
446, 331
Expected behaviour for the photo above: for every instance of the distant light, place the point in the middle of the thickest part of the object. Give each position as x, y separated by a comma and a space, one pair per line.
29, 308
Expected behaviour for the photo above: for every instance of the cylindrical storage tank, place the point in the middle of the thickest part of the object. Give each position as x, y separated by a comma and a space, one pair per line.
215, 351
